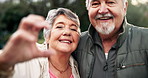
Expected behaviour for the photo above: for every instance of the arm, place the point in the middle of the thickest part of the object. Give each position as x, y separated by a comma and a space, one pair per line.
22, 44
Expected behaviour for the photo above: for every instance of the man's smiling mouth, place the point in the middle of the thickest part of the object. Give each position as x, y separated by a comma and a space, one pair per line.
104, 17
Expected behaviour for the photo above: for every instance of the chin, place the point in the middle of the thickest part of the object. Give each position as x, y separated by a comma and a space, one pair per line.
105, 30
65, 50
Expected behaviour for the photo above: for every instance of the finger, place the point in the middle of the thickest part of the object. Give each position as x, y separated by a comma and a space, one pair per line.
44, 53
39, 21
37, 17
45, 24
32, 20
28, 23
30, 26
40, 25
22, 35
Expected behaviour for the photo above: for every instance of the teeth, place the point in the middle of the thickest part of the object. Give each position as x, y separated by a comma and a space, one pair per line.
66, 41
103, 18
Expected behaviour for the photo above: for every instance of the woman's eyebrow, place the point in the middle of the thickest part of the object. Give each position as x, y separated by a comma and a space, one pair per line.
59, 23
74, 25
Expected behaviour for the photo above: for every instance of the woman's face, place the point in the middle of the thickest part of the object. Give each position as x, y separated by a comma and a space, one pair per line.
64, 35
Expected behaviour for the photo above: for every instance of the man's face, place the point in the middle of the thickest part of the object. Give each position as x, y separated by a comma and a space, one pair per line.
106, 15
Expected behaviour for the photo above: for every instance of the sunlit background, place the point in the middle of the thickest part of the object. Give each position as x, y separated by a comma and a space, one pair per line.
11, 12
136, 2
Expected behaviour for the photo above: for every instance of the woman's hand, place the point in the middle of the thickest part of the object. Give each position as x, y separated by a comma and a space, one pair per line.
22, 44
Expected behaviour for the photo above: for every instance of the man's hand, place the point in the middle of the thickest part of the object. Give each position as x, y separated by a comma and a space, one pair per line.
22, 44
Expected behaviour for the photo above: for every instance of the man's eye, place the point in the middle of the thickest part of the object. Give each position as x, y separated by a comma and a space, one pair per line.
95, 5
111, 3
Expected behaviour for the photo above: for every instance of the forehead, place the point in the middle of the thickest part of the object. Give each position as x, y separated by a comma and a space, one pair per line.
63, 19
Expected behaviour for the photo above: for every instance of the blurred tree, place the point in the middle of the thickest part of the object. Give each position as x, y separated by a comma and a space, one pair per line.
11, 12
138, 14
77, 6
10, 18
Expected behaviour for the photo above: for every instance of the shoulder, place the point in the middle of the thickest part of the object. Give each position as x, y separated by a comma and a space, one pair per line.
72, 61
84, 36
34, 67
34, 63
74, 67
138, 29
138, 36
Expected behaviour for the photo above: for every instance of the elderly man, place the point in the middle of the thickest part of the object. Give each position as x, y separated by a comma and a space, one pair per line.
112, 48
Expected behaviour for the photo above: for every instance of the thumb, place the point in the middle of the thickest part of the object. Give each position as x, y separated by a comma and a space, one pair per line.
44, 53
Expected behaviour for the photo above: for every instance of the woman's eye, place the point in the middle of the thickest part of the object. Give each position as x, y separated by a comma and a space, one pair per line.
59, 27
73, 29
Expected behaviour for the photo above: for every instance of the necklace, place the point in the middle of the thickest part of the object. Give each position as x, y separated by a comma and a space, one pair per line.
61, 71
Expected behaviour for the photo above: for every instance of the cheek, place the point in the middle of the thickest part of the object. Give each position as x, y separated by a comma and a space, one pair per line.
92, 13
76, 39
53, 36
120, 16
118, 11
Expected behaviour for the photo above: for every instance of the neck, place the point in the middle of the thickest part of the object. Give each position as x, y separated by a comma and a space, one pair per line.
59, 62
60, 58
109, 40
110, 37
60, 65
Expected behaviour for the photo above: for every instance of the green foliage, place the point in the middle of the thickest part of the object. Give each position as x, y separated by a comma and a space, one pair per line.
11, 14
138, 14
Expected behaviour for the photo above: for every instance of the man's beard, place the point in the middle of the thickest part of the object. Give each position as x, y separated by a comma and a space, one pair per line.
105, 28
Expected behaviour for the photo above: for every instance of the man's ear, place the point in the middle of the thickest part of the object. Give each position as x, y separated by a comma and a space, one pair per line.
125, 7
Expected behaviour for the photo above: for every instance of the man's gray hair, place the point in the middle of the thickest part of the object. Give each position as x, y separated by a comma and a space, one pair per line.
53, 14
87, 2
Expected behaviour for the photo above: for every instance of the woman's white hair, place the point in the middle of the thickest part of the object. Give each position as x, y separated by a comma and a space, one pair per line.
52, 15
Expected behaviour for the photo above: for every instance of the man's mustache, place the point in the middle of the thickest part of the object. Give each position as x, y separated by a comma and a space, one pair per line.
108, 15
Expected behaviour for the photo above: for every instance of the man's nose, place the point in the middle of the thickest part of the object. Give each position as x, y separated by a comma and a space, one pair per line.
103, 9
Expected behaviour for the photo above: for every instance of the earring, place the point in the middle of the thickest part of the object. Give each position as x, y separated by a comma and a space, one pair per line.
47, 45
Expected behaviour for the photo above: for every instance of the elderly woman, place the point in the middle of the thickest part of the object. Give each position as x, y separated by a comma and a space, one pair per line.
61, 39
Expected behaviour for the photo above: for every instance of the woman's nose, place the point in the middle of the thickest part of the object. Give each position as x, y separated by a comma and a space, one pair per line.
66, 32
